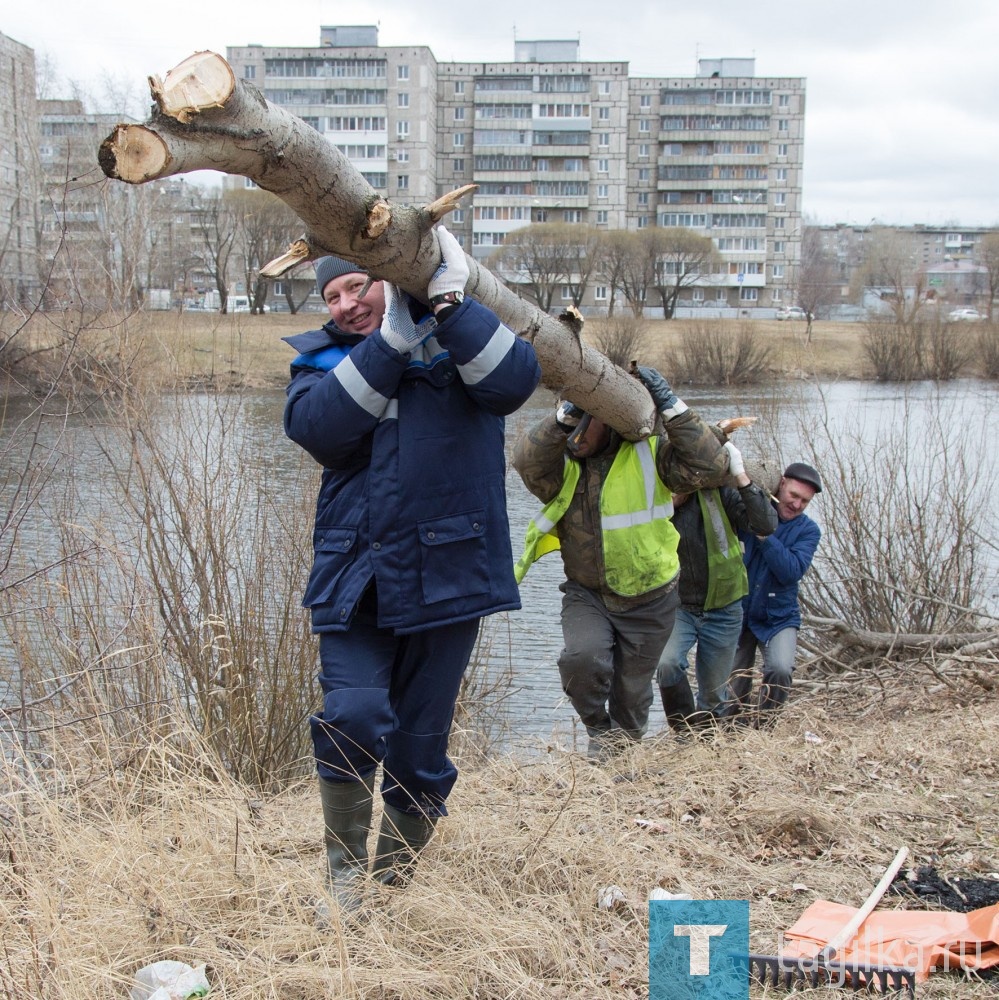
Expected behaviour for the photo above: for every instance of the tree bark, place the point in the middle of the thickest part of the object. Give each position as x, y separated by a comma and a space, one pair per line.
205, 118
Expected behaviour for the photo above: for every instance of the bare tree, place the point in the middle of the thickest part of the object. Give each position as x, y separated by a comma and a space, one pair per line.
536, 257
614, 254
584, 248
889, 267
217, 228
637, 273
206, 118
815, 283
678, 257
988, 257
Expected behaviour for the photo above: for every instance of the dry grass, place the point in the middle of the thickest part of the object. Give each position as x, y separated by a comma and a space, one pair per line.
115, 857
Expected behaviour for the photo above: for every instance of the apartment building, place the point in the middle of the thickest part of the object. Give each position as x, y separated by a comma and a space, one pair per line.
18, 175
548, 137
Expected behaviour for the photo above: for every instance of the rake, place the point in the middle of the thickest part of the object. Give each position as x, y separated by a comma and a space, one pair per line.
823, 969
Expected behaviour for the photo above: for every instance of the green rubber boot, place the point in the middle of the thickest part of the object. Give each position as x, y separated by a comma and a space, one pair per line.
400, 839
347, 818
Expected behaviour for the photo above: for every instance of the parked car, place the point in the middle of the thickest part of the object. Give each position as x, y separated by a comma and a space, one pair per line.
791, 312
964, 316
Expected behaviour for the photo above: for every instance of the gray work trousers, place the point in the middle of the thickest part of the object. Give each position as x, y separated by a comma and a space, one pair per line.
609, 658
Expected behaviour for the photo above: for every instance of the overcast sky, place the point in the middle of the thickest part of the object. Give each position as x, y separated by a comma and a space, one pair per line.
901, 124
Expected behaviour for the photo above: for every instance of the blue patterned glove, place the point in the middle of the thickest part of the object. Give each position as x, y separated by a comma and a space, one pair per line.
398, 329
667, 402
452, 273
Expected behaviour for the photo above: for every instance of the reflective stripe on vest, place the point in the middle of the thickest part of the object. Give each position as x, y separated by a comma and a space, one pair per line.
727, 580
639, 540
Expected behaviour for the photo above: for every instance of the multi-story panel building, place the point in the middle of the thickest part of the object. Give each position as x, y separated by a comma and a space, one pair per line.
550, 138
18, 175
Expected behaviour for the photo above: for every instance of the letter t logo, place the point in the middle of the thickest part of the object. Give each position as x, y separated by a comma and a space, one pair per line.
700, 944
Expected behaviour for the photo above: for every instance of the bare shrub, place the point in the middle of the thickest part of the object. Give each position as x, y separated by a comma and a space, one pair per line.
987, 343
916, 349
715, 354
907, 500
620, 338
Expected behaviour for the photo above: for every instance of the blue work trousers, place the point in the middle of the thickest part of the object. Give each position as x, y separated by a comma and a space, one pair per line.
390, 699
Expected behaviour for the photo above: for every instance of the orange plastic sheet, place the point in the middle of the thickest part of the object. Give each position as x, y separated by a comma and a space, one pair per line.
920, 940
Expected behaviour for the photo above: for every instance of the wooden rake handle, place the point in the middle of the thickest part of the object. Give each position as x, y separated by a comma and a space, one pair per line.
846, 934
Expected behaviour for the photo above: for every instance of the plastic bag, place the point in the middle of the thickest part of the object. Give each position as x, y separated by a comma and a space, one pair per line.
169, 981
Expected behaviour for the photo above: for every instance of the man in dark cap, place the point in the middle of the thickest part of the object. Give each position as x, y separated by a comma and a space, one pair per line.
775, 564
403, 406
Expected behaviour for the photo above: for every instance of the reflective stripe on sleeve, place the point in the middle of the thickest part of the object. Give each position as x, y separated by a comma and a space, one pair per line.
486, 361
357, 387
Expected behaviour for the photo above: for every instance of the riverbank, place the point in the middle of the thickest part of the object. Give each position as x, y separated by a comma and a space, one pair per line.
125, 855
241, 349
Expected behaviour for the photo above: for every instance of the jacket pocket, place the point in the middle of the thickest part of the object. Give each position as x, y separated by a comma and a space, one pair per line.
334, 552
454, 560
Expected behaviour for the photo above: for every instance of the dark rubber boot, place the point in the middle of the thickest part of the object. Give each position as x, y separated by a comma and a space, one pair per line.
678, 704
347, 817
400, 839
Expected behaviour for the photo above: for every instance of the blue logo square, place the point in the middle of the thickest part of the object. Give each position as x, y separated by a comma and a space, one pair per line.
699, 948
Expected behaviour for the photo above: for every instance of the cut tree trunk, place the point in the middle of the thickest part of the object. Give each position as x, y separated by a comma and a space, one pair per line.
205, 118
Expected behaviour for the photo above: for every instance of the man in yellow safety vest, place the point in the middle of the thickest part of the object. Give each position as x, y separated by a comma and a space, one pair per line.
608, 504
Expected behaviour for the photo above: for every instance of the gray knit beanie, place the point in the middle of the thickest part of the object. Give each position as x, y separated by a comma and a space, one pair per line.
328, 268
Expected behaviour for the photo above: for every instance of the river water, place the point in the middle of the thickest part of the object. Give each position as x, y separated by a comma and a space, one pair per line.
520, 649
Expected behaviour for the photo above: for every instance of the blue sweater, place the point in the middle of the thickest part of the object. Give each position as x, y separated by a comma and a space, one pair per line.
413, 484
774, 565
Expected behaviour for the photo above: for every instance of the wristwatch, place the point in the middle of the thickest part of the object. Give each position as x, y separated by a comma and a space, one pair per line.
447, 298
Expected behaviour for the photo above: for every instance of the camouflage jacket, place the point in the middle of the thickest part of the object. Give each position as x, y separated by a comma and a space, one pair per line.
689, 457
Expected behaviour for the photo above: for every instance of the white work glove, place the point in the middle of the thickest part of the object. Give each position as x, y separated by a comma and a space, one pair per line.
398, 329
452, 274
736, 466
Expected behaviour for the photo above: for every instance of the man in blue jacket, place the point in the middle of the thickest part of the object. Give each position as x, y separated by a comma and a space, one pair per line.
775, 564
404, 409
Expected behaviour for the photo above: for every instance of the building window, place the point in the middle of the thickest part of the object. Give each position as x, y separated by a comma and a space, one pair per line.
780, 173
603, 166
566, 293
248, 184
645, 101
249, 72
673, 149
458, 215
721, 295
603, 114
600, 293
603, 190
782, 124
778, 271
779, 222
604, 140
602, 216
775, 295
458, 139
784, 101
459, 165
643, 125
697, 294
643, 198
782, 149
459, 87
402, 72
780, 197
402, 156
403, 182
643, 150
604, 87
749, 294
459, 114
572, 215
778, 246
402, 129
644, 174
403, 99
643, 221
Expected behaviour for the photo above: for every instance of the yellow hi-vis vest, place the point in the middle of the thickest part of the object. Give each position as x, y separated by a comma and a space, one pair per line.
727, 579
639, 540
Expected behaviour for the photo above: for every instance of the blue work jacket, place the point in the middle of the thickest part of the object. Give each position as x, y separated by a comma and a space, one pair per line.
775, 564
413, 483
